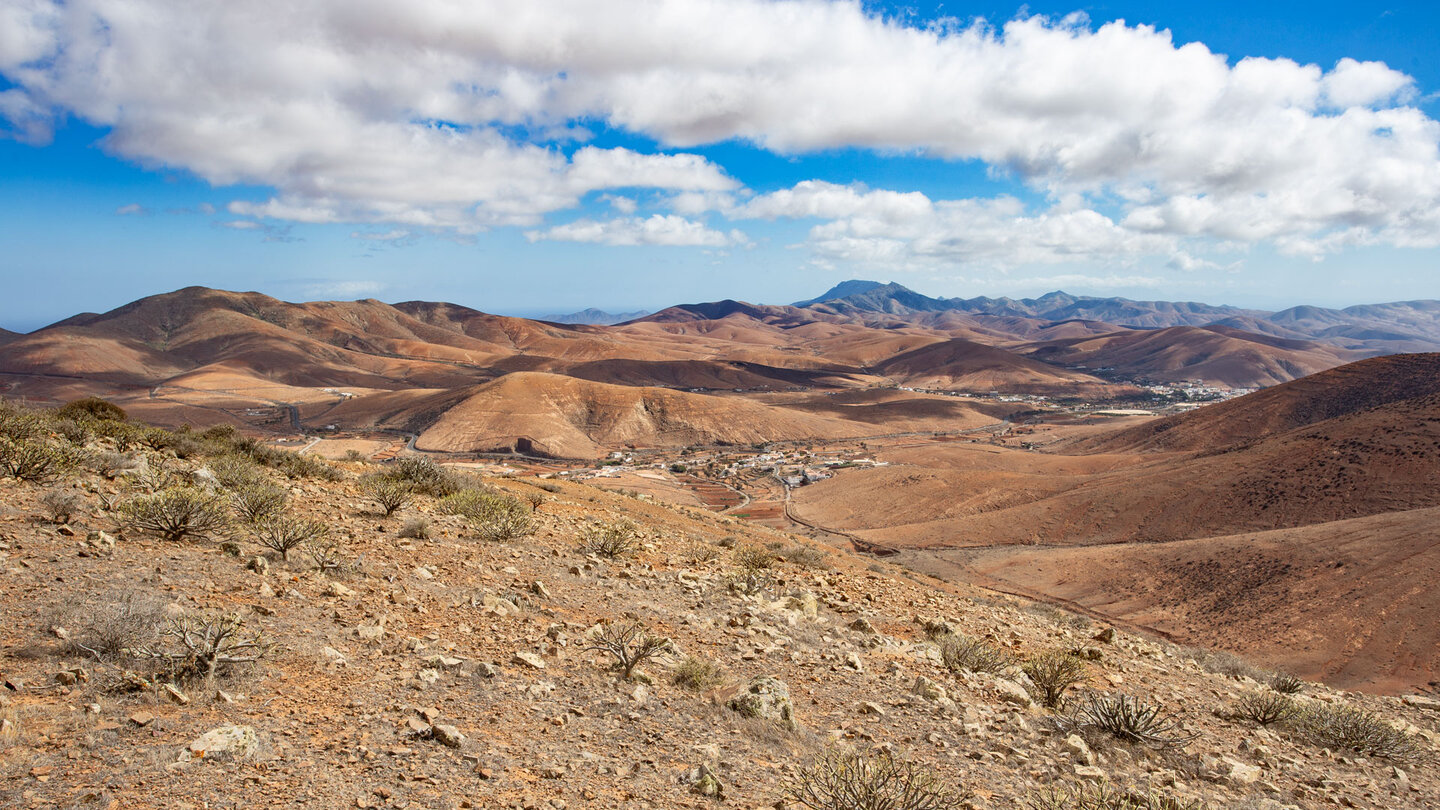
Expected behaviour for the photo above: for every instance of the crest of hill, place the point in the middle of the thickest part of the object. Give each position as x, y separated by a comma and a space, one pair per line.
1216, 355
1337, 392
967, 365
552, 415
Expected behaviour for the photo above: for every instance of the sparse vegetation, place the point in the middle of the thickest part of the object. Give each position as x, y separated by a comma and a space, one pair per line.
1105, 796
36, 460
853, 781
282, 533
327, 555
611, 540
1353, 729
415, 529
630, 644
104, 627
425, 476
805, 556
1053, 673
697, 674
204, 645
1265, 708
1128, 718
91, 408
962, 653
61, 505
389, 492
500, 518
753, 557
1286, 684
258, 502
175, 514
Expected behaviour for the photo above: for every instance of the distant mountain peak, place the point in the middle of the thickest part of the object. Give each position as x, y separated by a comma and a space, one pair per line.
596, 317
845, 289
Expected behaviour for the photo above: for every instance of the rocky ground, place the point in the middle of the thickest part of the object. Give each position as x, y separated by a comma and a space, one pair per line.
454, 671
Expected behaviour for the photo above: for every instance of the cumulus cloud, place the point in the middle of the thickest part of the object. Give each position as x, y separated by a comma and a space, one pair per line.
375, 111
657, 229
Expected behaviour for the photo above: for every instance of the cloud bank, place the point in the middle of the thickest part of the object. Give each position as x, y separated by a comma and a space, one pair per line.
465, 116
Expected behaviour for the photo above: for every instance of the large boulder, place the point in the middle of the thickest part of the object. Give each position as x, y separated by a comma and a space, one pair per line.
225, 742
765, 697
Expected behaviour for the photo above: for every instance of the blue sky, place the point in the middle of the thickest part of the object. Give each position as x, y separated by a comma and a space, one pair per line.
601, 155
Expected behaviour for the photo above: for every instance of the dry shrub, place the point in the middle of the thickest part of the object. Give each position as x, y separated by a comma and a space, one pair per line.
854, 781
1104, 796
1265, 708
425, 476
1128, 718
1286, 684
630, 644
806, 556
204, 645
282, 533
961, 653
416, 529
1052, 673
611, 540
256, 502
753, 557
1353, 729
61, 505
175, 514
104, 627
390, 493
697, 674
37, 460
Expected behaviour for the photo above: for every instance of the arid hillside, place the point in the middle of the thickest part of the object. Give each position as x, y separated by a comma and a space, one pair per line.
351, 636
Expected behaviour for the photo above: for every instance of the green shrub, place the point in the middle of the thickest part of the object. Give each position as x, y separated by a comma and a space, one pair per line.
502, 518
37, 460
854, 781
175, 514
92, 408
425, 476
1051, 674
1286, 684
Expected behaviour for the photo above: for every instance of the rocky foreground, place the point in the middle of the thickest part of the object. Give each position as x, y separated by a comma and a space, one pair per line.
466, 666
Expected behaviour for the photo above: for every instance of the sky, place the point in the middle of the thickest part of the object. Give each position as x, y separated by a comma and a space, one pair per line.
532, 157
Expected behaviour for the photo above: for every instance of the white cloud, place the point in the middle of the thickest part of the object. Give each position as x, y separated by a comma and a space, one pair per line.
132, 209
657, 229
341, 290
375, 111
395, 235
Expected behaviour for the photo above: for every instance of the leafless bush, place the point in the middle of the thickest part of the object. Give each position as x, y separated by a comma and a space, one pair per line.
1353, 729
961, 653
110, 463
854, 781
1286, 684
103, 627
328, 557
1128, 718
1265, 708
61, 505
697, 674
282, 533
390, 493
204, 645
1052, 673
175, 514
257, 502
630, 644
751, 580
416, 528
1104, 796
611, 540
535, 499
